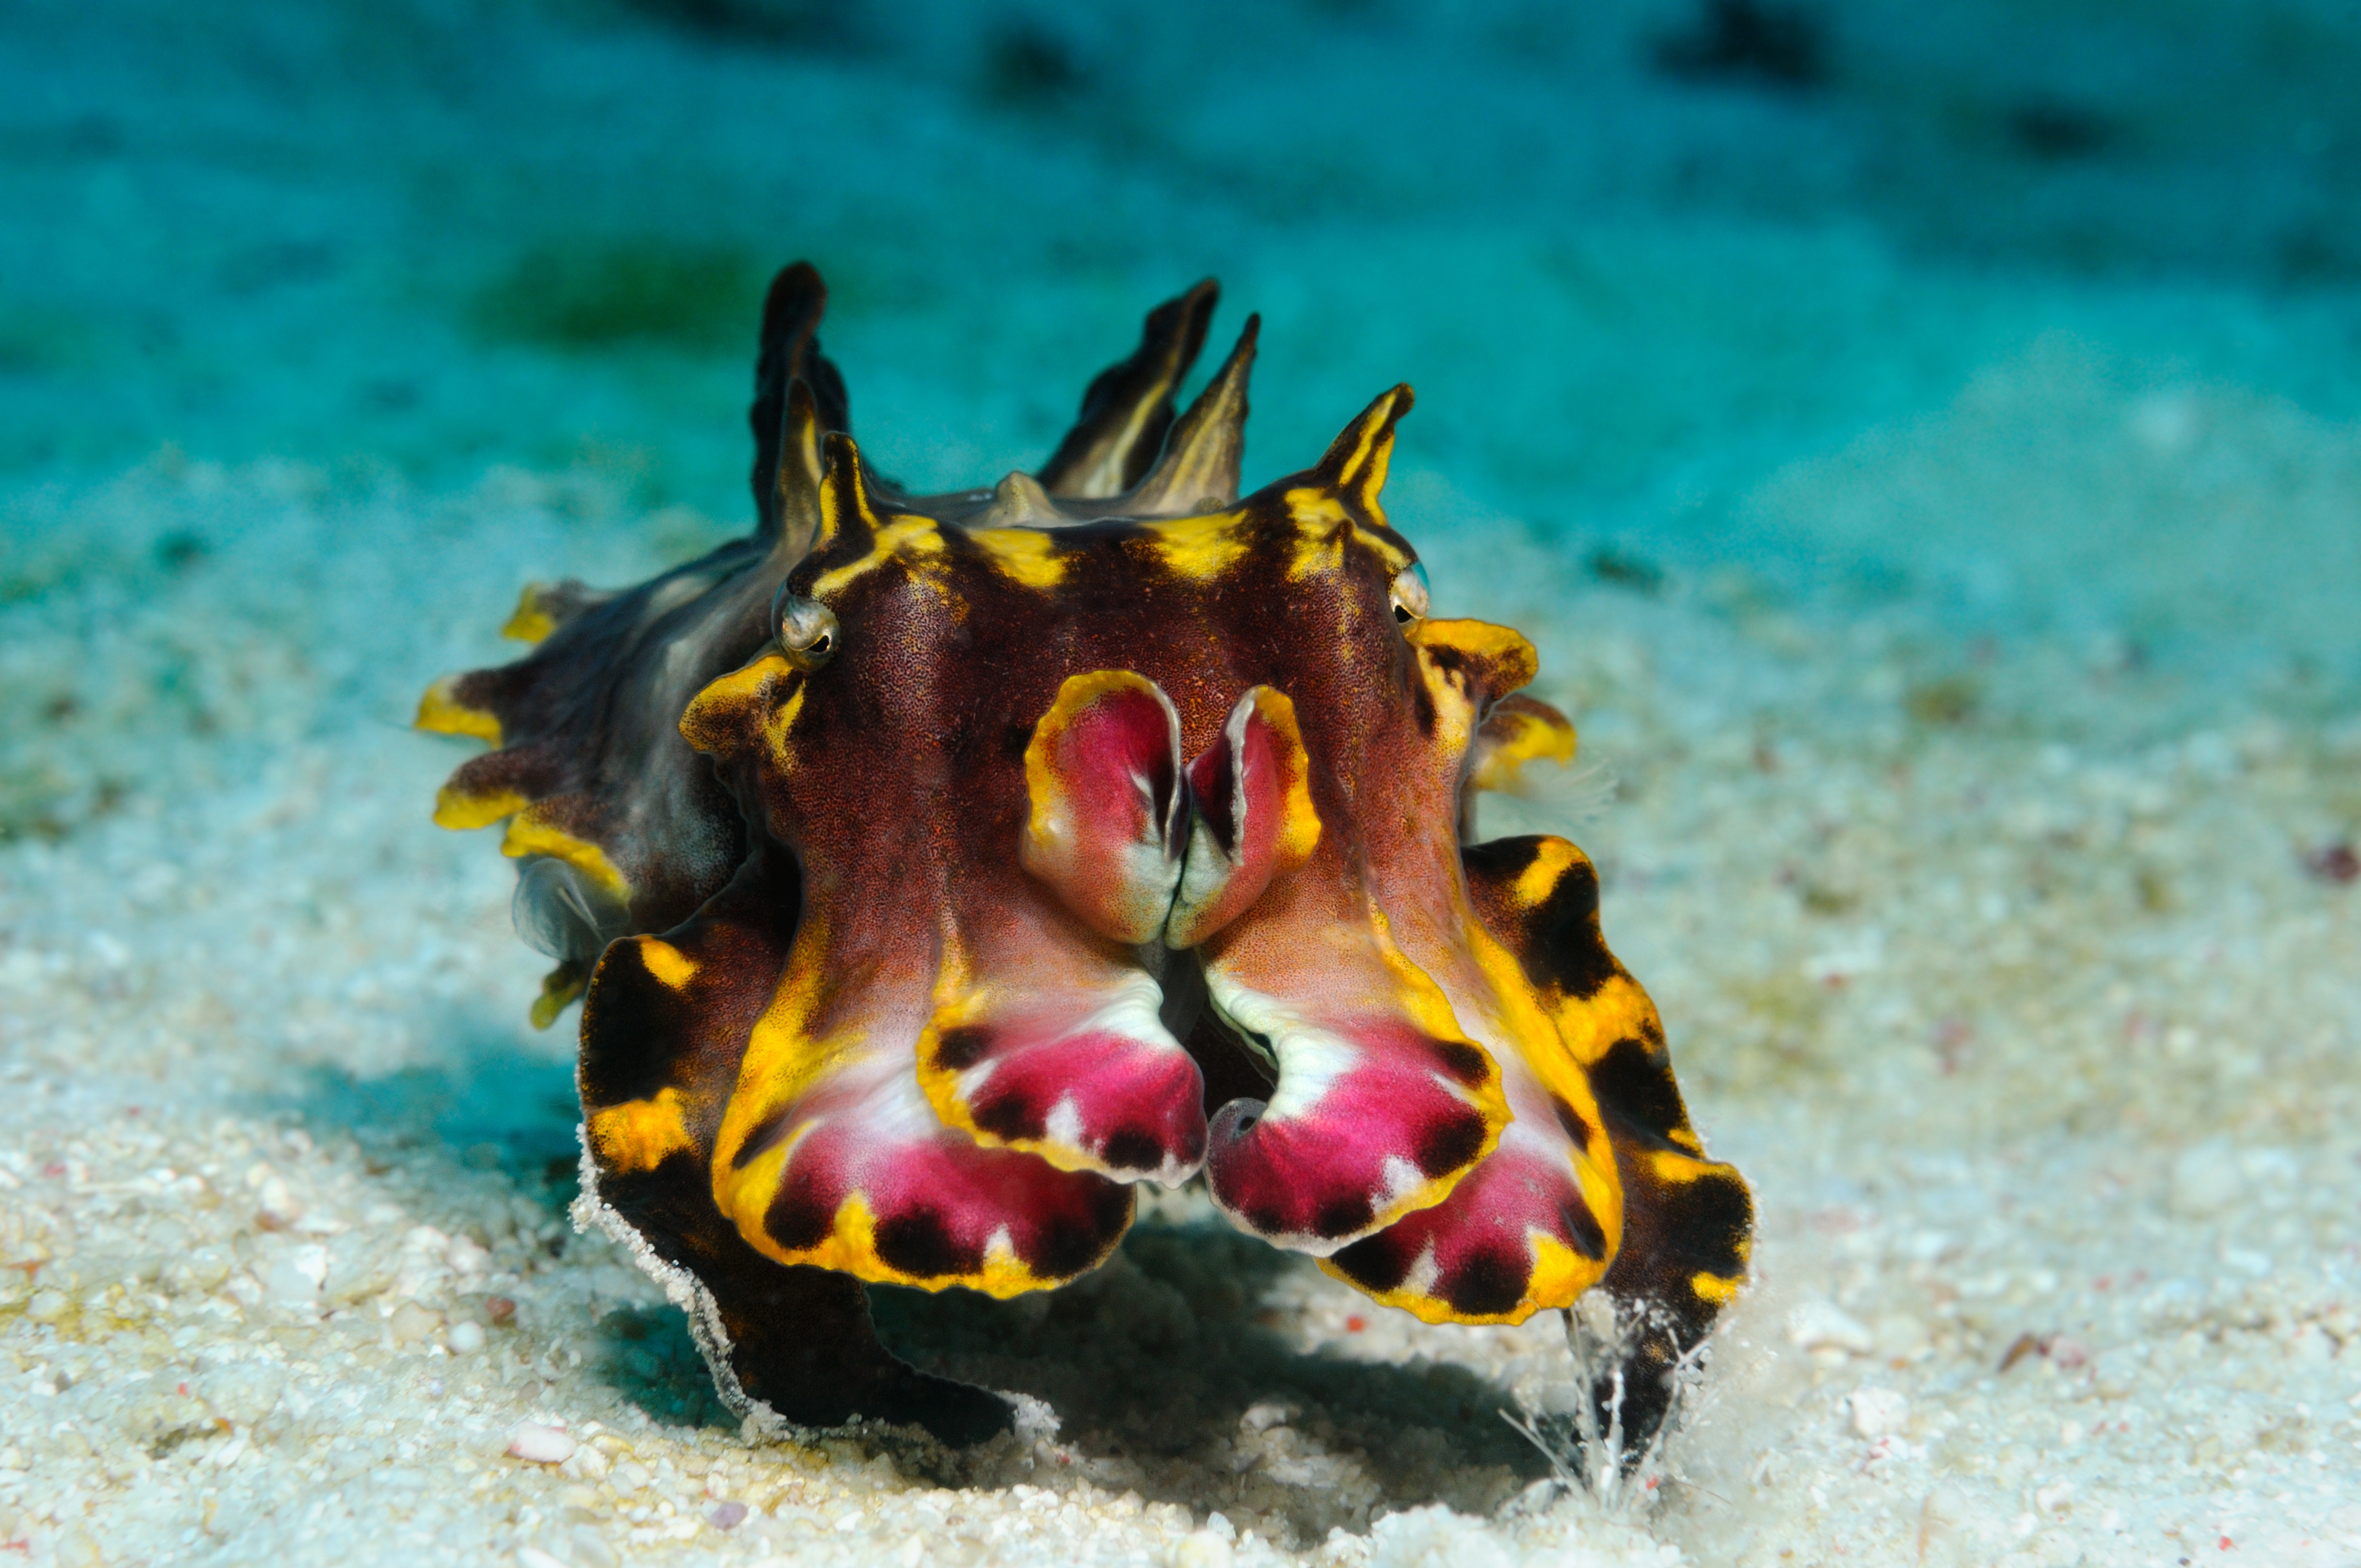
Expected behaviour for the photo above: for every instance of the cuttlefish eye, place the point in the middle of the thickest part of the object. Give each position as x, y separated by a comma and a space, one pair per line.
805, 630
1407, 593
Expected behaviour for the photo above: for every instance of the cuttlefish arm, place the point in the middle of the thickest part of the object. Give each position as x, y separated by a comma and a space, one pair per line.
665, 1032
829, 1150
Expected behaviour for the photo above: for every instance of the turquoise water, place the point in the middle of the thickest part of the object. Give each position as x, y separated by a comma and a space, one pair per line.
1637, 260
1925, 443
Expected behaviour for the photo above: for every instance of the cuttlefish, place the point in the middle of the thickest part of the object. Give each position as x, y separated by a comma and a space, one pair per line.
933, 870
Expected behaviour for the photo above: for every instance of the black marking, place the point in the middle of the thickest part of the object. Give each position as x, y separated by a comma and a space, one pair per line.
1009, 1117
796, 1219
1453, 661
919, 1244
1583, 1228
1450, 1145
961, 1047
1216, 804
1465, 1062
1634, 1084
1131, 1149
1572, 1121
1375, 1262
1501, 861
632, 1028
1342, 1217
1557, 940
1565, 950
761, 1136
1065, 1250
1707, 1222
1421, 708
1489, 1285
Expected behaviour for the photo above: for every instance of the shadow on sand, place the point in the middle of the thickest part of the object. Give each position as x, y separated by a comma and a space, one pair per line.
1152, 1363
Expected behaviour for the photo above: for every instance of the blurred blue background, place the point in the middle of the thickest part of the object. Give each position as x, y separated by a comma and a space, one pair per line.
1942, 299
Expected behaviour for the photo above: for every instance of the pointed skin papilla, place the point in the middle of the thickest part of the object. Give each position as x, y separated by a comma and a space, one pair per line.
1198, 472
1128, 407
664, 1024
787, 354
1689, 1220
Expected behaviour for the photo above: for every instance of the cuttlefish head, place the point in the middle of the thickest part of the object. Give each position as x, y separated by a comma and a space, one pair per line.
1077, 810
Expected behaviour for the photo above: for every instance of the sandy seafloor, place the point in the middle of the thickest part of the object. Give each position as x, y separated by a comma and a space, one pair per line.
1935, 488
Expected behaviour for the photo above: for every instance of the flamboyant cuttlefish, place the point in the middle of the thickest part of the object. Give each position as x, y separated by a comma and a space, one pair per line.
935, 867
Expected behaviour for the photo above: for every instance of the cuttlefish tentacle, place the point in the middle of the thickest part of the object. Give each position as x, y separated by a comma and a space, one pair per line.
661, 1037
1537, 1223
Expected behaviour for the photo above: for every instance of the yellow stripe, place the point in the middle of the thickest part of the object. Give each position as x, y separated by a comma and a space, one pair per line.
716, 720
529, 622
1298, 833
1537, 882
1029, 554
457, 809
1322, 527
1668, 1166
1199, 548
917, 540
528, 835
1511, 657
1717, 1289
440, 713
1619, 1010
782, 1063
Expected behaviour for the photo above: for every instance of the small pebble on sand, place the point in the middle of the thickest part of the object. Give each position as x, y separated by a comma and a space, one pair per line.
541, 1444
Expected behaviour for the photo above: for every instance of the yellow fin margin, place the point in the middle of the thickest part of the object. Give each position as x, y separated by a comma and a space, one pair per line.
440, 713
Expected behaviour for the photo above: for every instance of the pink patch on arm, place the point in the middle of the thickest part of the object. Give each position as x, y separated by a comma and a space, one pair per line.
1372, 1118
1517, 1236
874, 1184
1085, 1076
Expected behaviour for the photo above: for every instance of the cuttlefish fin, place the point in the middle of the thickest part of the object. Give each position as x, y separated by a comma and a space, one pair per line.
1518, 730
543, 607
1128, 407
